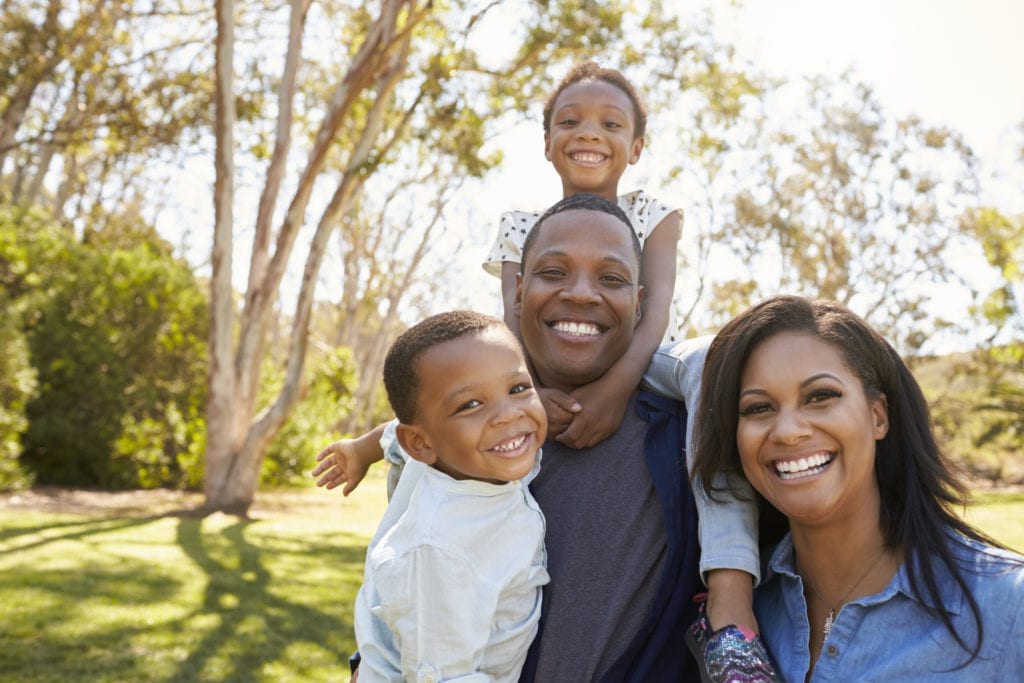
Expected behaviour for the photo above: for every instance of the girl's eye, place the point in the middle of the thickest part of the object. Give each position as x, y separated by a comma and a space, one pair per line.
567, 122
755, 409
612, 124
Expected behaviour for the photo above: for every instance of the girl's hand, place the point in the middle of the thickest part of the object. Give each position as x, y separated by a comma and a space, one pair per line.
601, 414
560, 407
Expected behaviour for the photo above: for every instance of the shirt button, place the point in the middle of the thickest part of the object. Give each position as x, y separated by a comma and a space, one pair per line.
832, 650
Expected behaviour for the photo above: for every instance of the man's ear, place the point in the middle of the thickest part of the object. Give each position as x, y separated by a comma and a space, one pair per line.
637, 148
639, 303
414, 441
517, 302
880, 414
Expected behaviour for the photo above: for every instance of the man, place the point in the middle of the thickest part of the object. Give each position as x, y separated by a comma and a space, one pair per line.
621, 530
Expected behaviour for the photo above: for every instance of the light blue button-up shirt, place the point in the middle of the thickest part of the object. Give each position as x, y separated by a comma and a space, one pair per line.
891, 636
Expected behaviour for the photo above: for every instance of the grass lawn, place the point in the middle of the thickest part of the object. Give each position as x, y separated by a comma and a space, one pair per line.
136, 596
87, 597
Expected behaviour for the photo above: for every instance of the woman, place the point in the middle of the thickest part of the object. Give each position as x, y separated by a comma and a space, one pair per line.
878, 578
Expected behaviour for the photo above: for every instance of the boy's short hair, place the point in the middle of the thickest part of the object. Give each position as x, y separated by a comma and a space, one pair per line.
581, 201
591, 71
401, 379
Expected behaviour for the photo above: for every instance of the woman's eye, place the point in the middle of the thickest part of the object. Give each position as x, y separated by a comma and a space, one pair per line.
819, 395
754, 409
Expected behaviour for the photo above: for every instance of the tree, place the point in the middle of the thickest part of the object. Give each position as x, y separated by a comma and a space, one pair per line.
115, 331
412, 95
842, 202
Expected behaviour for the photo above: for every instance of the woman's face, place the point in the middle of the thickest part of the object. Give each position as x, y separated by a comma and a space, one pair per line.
806, 431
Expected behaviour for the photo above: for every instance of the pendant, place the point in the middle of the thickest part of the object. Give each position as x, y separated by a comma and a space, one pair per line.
829, 620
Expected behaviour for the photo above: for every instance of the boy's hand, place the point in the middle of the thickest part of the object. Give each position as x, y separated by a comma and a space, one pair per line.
340, 464
601, 414
560, 408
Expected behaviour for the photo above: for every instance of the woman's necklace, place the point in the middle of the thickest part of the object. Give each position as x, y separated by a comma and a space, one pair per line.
831, 618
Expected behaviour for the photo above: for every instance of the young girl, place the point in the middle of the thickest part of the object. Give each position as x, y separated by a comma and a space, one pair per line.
594, 126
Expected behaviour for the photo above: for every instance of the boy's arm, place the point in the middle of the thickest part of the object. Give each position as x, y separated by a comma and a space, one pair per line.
346, 461
604, 401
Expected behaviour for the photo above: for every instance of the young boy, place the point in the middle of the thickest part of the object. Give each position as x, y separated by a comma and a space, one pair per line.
454, 573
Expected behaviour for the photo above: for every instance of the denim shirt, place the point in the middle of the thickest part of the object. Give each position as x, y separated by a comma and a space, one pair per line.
892, 636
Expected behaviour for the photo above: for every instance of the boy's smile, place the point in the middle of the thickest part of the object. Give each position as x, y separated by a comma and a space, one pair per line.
591, 141
479, 416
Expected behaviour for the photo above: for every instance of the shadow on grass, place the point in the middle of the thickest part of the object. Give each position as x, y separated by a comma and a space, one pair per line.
256, 621
222, 599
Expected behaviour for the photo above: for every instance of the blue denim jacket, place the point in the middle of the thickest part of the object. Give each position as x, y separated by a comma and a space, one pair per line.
892, 636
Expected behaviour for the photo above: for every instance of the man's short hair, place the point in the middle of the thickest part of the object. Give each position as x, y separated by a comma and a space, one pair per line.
401, 379
581, 201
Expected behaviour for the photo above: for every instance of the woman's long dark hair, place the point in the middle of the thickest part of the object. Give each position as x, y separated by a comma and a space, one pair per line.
919, 488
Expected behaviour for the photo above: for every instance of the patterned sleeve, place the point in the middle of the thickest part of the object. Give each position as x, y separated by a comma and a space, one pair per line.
508, 244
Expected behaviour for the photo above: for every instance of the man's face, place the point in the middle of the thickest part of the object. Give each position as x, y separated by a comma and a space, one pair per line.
578, 297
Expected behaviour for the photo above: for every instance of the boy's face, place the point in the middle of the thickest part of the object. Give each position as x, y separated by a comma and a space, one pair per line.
578, 297
591, 139
479, 415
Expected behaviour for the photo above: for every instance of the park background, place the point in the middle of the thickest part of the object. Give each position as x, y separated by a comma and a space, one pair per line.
213, 220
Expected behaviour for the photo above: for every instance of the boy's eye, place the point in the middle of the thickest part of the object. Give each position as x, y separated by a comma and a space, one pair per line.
612, 124
520, 388
468, 405
567, 122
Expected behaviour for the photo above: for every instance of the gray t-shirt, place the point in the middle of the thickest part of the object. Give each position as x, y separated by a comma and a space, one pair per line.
606, 548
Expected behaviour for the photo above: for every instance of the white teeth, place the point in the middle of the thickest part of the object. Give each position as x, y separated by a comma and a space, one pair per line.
576, 329
588, 157
511, 445
794, 469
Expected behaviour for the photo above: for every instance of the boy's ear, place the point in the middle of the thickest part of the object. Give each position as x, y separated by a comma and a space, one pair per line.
414, 441
547, 146
638, 147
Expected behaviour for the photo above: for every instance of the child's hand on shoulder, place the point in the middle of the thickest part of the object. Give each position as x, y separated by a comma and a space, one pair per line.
600, 415
340, 464
560, 408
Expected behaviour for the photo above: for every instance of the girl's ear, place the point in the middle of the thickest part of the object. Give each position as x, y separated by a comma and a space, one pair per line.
415, 442
634, 153
880, 415
547, 147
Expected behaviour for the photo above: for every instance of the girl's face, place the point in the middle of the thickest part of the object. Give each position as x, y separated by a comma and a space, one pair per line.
806, 431
591, 139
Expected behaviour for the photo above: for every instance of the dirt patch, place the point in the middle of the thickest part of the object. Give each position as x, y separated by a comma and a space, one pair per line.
151, 503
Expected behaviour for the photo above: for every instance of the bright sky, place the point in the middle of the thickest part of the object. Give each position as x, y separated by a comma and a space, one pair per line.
954, 62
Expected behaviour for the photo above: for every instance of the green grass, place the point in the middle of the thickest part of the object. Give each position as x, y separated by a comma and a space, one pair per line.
172, 598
